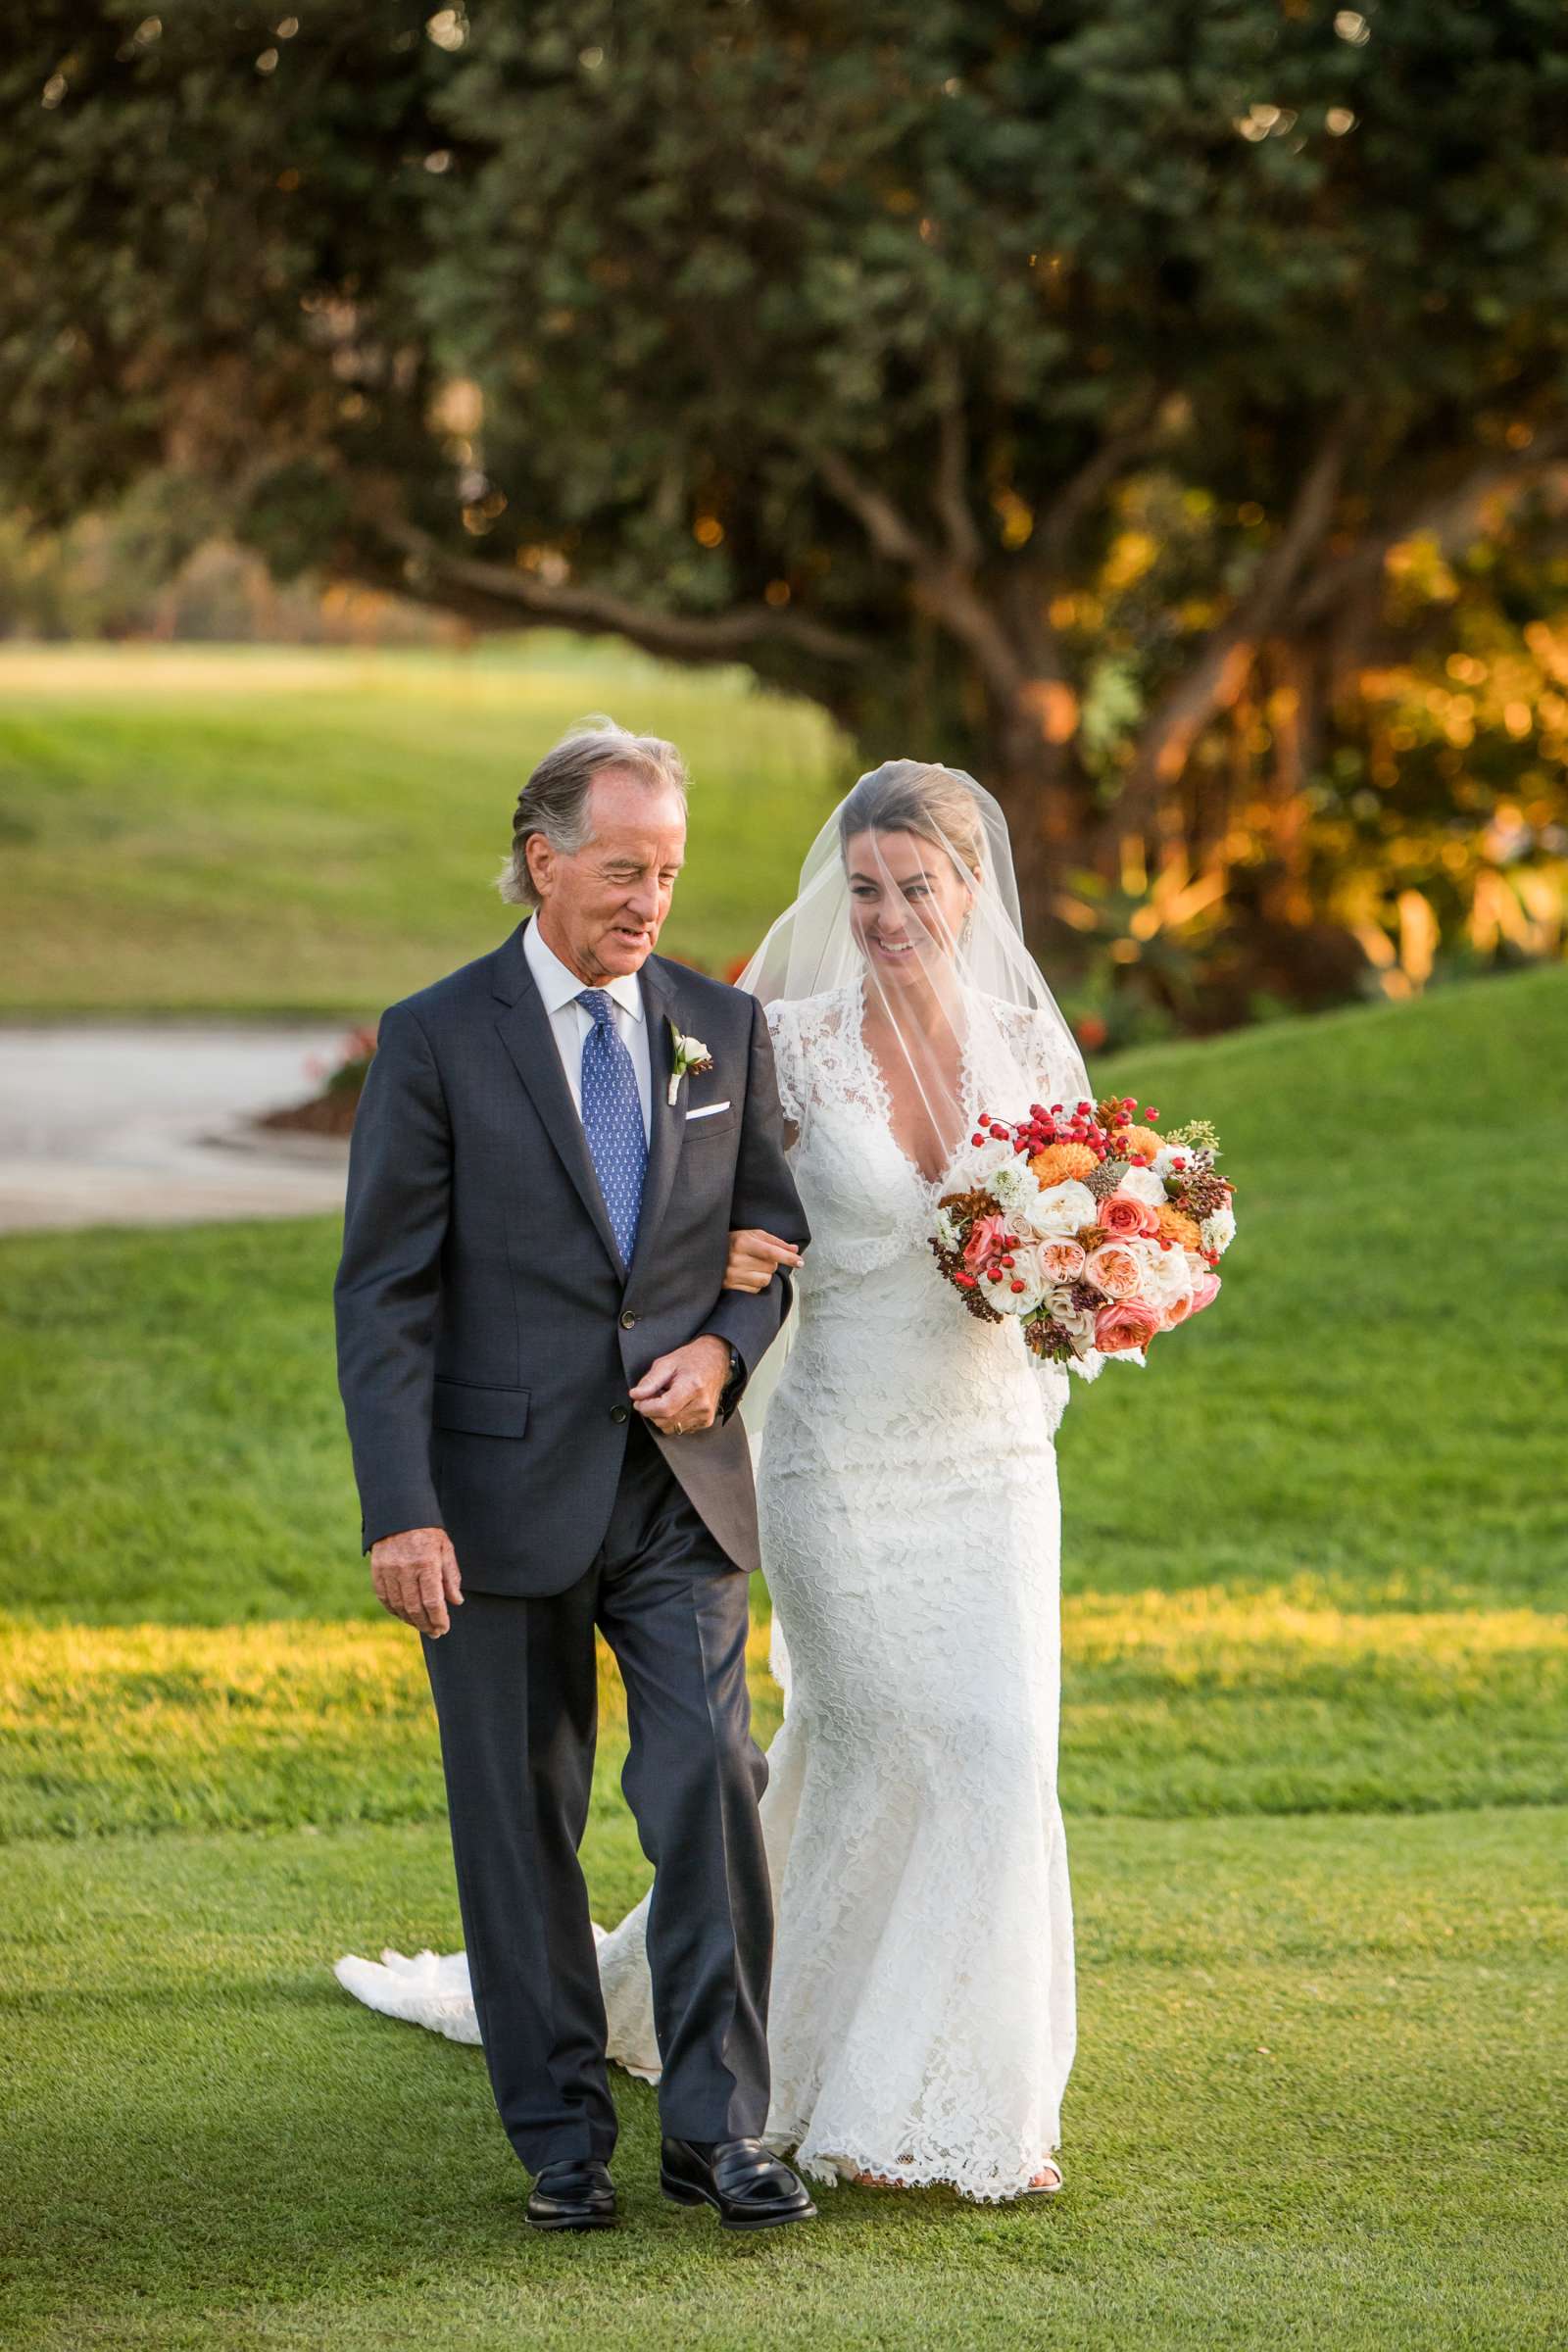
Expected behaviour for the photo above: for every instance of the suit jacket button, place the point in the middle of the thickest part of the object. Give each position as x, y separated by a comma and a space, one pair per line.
628, 1321
620, 1412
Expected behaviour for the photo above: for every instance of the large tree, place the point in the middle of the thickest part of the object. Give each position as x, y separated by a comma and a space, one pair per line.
1029, 384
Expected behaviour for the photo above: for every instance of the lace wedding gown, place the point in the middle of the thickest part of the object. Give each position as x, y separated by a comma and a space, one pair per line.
922, 2017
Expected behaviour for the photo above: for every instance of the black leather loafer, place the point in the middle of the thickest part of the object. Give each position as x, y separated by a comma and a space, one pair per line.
575, 2194
749, 2188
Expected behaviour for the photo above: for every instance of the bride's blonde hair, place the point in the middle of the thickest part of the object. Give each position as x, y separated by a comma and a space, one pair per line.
916, 795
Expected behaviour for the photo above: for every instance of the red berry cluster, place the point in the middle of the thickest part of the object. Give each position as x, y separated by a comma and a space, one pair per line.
1003, 1266
1120, 1111
1047, 1125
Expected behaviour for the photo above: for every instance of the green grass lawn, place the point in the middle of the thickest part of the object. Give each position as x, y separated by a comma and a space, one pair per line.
1313, 1769
209, 829
1368, 1412
1316, 2103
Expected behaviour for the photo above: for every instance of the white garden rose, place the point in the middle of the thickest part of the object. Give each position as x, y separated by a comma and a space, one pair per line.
1078, 1322
1144, 1256
1167, 1275
1064, 1207
1218, 1231
1142, 1184
947, 1231
1025, 1268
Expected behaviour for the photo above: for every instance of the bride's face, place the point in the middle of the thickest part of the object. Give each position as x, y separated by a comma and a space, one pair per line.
906, 904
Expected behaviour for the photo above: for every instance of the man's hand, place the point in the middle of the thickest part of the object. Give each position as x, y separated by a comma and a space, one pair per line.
680, 1392
755, 1258
415, 1577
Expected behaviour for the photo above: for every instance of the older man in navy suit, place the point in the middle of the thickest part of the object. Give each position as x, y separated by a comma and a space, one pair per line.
540, 1367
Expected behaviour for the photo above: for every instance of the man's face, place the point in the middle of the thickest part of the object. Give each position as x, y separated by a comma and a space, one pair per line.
602, 909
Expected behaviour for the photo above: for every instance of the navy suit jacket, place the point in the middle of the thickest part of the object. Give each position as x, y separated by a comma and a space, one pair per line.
487, 1329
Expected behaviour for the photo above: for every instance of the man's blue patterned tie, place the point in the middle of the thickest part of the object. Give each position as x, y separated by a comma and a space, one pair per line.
612, 1120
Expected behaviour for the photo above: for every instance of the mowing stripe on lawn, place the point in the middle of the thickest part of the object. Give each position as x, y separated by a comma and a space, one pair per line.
1175, 1703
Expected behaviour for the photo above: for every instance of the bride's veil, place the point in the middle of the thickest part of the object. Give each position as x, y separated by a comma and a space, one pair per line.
907, 909
813, 945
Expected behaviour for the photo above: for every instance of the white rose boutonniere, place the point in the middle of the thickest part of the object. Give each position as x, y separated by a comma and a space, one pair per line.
689, 1056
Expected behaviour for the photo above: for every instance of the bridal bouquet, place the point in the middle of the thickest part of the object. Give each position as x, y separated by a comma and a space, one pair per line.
1097, 1232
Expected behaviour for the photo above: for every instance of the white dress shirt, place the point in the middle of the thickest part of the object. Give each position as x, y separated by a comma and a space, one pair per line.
571, 1023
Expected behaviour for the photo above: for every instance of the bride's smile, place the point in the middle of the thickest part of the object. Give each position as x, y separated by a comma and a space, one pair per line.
907, 903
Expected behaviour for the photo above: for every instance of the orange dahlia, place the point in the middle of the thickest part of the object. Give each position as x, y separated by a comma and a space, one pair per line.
1059, 1161
1136, 1144
1176, 1227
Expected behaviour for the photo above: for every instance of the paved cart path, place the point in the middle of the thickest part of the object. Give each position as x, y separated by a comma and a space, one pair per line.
147, 1123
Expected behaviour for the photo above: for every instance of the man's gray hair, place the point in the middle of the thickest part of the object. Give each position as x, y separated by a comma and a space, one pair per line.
555, 800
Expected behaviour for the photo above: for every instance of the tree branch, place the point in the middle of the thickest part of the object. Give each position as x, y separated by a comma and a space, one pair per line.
1452, 521
680, 637
889, 532
938, 586
950, 495
1221, 669
1083, 490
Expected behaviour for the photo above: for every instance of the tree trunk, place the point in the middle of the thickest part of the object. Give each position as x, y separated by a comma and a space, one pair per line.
1295, 718
1048, 800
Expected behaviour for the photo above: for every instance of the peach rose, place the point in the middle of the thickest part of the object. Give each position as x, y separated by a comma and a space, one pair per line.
1122, 1214
1113, 1269
1206, 1289
1061, 1261
1177, 1311
1126, 1325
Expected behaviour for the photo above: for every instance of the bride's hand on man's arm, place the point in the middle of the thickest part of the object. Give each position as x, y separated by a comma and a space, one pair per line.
755, 1258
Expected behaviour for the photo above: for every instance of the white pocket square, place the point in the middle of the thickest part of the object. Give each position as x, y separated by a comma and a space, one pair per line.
708, 1111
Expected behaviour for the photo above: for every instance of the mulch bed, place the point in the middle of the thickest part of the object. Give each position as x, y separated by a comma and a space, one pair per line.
330, 1113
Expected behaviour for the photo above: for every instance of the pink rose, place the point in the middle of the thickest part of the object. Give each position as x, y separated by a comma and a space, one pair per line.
987, 1238
1113, 1269
1123, 1215
1061, 1261
1130, 1323
1206, 1289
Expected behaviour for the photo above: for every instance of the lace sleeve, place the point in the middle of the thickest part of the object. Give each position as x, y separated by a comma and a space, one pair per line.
784, 1029
1041, 1058
1067, 1085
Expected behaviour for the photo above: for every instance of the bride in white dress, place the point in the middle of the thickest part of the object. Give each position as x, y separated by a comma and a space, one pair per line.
922, 2026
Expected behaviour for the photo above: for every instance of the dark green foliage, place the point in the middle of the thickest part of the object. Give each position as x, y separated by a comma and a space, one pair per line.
849, 349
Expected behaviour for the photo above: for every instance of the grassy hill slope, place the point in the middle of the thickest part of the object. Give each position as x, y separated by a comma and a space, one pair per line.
216, 829
1372, 1405
1312, 1554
